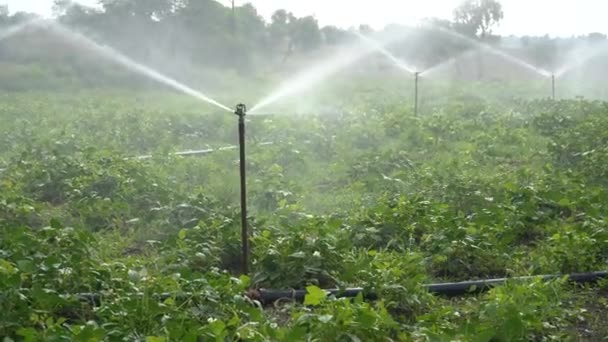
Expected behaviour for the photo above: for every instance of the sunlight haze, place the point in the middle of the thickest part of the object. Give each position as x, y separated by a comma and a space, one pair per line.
522, 17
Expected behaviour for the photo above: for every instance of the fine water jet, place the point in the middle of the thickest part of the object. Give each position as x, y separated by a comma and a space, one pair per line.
442, 65
119, 58
16, 29
398, 63
536, 70
319, 72
416, 80
595, 52
381, 49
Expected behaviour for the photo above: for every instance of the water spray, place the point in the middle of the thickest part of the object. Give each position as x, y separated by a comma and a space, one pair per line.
117, 57
321, 70
497, 52
416, 80
241, 112
553, 87
16, 29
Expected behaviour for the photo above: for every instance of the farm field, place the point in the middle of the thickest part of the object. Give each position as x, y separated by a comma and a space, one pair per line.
370, 197
434, 180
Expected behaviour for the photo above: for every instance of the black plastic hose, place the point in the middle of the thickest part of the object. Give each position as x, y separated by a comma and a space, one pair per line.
444, 289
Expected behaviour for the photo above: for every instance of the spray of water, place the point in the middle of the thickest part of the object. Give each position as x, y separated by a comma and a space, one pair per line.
497, 52
441, 66
581, 57
378, 47
320, 71
13, 30
117, 57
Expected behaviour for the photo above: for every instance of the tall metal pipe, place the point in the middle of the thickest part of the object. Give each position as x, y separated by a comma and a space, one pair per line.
553, 86
241, 112
416, 79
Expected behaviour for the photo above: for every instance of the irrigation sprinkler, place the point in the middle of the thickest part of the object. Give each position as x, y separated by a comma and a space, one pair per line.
416, 80
241, 112
553, 86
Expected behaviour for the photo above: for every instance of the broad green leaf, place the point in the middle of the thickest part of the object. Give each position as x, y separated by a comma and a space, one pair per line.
26, 266
217, 327
56, 224
245, 280
6, 267
155, 339
314, 295
182, 234
297, 333
28, 334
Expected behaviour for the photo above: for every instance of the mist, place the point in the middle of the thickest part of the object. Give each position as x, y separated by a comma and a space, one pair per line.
171, 170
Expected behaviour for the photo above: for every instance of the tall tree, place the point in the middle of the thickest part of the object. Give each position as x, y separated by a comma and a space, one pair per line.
477, 17
306, 34
596, 37
333, 35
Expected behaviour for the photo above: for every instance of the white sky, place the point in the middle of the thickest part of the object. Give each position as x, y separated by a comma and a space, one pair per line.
522, 17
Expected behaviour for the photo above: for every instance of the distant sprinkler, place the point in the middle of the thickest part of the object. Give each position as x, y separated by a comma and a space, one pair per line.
553, 86
416, 81
241, 112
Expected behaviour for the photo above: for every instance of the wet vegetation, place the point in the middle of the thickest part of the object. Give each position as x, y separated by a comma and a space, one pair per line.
107, 235
386, 201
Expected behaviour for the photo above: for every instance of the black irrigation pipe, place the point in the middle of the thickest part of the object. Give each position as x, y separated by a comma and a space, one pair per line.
443, 289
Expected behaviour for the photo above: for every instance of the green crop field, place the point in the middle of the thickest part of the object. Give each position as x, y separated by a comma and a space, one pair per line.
381, 164
371, 196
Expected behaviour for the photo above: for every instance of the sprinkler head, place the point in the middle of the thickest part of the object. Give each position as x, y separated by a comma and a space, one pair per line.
241, 110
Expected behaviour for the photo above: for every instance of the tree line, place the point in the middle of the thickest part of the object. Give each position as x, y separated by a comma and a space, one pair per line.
206, 33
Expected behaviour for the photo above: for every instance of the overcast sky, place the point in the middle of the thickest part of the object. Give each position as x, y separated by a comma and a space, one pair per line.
522, 17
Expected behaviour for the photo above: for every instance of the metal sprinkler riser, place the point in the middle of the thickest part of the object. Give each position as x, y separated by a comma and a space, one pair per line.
241, 112
416, 81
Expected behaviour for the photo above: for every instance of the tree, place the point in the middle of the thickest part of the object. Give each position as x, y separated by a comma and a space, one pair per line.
301, 34
181, 37
333, 35
4, 11
279, 27
596, 37
306, 34
148, 9
477, 17
280, 32
366, 29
